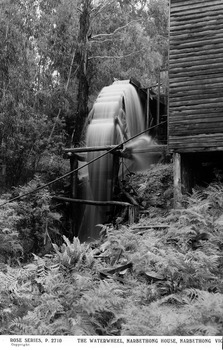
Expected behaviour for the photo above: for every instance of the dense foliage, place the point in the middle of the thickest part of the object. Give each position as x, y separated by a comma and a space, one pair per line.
161, 276
29, 225
55, 57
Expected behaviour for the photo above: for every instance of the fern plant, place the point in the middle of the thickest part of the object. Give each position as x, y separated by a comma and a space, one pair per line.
74, 254
104, 303
37, 224
170, 282
10, 246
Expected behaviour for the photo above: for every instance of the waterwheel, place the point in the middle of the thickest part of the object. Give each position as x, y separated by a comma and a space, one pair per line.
116, 116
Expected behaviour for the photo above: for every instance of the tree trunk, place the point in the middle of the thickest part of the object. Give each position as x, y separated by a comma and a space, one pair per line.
82, 61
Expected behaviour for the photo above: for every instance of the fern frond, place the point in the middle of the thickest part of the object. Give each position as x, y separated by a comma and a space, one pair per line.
203, 330
26, 325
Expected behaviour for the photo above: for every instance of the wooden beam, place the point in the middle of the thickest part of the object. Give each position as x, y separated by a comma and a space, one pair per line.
184, 17
147, 123
177, 179
147, 227
187, 95
131, 214
158, 102
152, 149
196, 69
179, 102
181, 3
73, 181
89, 149
209, 71
81, 157
92, 202
119, 152
187, 5
188, 167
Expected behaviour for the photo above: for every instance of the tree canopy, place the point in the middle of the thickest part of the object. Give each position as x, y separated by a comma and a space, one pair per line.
56, 55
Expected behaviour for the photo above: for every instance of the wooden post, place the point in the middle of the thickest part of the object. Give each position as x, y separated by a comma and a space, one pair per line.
187, 173
131, 214
158, 101
73, 192
147, 123
2, 176
177, 179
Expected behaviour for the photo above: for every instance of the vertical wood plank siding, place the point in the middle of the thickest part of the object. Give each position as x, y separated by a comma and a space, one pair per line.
196, 76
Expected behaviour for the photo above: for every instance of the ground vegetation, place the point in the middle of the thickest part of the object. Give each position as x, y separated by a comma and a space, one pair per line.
160, 276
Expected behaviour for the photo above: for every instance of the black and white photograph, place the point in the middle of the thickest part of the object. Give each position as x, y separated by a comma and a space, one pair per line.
111, 174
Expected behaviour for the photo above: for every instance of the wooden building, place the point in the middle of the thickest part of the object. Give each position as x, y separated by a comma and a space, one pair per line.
195, 117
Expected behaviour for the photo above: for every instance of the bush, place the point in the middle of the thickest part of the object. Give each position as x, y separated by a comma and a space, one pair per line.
154, 187
10, 245
29, 225
38, 224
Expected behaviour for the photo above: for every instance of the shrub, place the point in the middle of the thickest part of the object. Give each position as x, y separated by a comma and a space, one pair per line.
10, 245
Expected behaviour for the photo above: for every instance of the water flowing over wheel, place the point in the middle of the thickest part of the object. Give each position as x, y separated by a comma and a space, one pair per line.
116, 116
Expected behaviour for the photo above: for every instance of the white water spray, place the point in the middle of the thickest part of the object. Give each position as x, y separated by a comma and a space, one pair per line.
115, 117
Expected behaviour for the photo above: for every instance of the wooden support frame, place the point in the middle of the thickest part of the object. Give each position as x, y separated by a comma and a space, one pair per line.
147, 123
184, 169
118, 152
73, 191
90, 149
158, 101
92, 202
77, 154
131, 214
177, 179
132, 209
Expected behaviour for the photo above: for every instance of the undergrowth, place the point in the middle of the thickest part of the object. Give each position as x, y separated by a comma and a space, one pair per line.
29, 225
161, 276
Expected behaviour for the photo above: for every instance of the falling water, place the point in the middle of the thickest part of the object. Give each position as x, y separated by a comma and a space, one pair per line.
142, 158
116, 116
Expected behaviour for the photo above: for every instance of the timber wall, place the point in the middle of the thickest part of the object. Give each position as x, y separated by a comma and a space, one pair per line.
196, 76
